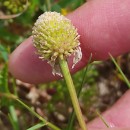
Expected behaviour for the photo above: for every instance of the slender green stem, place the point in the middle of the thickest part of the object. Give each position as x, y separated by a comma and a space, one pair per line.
13, 118
37, 126
8, 95
119, 69
48, 3
11, 96
72, 117
14, 86
72, 91
103, 120
39, 117
12, 112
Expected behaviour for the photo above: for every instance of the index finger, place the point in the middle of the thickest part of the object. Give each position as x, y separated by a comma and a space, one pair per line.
104, 26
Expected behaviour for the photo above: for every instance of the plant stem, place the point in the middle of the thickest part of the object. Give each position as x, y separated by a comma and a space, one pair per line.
12, 113
72, 117
11, 96
48, 4
72, 91
13, 117
102, 119
119, 69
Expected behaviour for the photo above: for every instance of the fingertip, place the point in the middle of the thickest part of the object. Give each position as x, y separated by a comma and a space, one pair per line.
25, 65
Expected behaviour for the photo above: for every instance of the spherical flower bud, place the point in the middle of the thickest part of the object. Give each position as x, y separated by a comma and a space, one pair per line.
55, 37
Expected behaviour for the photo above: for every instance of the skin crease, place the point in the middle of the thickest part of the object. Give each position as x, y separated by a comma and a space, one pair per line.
104, 26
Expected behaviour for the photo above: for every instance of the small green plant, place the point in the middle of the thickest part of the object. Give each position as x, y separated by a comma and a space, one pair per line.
12, 9
55, 39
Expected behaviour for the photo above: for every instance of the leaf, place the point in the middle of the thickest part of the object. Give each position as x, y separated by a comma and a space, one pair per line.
4, 85
13, 117
73, 4
4, 52
8, 36
4, 101
4, 79
39, 125
56, 7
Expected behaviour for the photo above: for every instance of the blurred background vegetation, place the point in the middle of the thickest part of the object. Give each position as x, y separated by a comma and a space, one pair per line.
102, 83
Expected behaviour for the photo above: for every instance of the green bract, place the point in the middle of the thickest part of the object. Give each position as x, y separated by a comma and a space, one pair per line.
55, 37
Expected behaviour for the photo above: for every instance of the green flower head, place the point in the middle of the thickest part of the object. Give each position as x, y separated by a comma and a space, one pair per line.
55, 37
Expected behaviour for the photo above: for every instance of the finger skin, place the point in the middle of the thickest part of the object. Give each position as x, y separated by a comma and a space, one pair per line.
118, 116
104, 26
112, 129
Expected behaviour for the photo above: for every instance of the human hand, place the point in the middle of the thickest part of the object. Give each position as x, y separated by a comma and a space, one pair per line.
104, 26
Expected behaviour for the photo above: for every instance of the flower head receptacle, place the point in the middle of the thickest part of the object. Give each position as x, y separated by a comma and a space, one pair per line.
55, 37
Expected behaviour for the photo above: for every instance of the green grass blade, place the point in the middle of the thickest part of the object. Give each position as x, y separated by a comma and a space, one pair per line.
119, 69
33, 112
4, 79
38, 116
13, 118
35, 127
102, 119
85, 73
3, 52
48, 4
4, 90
